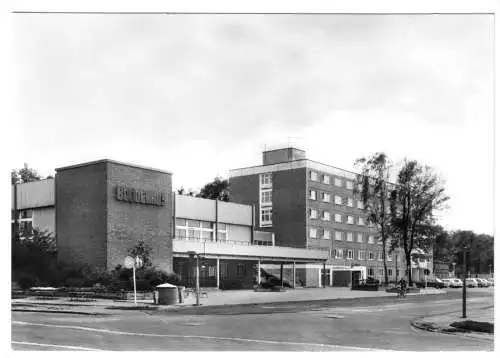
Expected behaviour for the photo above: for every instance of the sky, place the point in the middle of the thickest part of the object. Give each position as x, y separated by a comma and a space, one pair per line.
199, 95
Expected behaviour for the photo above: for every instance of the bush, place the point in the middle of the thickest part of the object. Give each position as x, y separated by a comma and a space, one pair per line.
26, 280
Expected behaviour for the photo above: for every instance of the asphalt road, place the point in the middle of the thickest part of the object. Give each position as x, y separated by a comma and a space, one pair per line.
381, 323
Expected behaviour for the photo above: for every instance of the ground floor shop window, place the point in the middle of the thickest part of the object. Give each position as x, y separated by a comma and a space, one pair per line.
240, 270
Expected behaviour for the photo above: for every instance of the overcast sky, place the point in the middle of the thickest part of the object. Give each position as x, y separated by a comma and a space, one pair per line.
201, 94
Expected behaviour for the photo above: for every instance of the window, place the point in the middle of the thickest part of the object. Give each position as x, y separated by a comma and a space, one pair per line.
339, 254
349, 202
313, 233
360, 237
313, 176
389, 272
334, 253
266, 216
338, 218
326, 216
193, 229
338, 200
240, 270
326, 179
27, 214
360, 204
361, 221
370, 255
379, 255
371, 239
181, 233
265, 180
349, 254
348, 184
361, 255
312, 194
325, 197
326, 234
223, 271
313, 213
360, 187
389, 257
349, 236
266, 197
338, 182
222, 234
350, 219
194, 223
370, 271
338, 235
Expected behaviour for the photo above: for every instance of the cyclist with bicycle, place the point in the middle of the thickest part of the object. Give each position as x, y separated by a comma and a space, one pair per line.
402, 287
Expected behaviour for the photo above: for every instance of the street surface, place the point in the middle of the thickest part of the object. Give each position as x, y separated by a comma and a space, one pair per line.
379, 323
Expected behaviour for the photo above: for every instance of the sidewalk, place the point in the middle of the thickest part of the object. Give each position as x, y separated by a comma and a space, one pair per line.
213, 298
240, 297
464, 326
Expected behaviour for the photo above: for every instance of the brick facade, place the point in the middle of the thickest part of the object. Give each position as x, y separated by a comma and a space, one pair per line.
95, 228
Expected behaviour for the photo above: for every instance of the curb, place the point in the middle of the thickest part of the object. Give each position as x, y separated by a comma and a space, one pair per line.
432, 327
61, 311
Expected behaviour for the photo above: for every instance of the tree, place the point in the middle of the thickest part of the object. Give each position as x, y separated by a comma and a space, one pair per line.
217, 189
418, 193
24, 175
374, 193
183, 191
142, 250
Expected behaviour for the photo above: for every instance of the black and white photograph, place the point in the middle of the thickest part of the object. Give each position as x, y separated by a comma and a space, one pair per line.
251, 181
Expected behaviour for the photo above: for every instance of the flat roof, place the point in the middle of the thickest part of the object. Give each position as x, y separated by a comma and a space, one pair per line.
111, 162
297, 160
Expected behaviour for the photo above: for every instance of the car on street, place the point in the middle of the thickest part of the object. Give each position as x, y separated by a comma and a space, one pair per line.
482, 282
431, 282
456, 283
471, 282
446, 281
491, 281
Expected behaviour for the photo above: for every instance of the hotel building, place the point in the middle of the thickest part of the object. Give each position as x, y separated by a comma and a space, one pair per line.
307, 204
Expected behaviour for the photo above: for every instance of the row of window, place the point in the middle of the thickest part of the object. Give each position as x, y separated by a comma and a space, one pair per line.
349, 254
326, 179
197, 229
338, 218
338, 200
380, 272
315, 233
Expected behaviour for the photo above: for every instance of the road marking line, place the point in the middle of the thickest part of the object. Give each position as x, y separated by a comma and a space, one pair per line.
190, 336
54, 345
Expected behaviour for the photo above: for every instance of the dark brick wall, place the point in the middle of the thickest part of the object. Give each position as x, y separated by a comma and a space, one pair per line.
130, 222
289, 204
81, 198
245, 190
289, 207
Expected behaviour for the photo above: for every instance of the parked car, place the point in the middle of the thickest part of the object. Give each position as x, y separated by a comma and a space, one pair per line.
456, 283
491, 281
431, 282
482, 282
446, 281
471, 282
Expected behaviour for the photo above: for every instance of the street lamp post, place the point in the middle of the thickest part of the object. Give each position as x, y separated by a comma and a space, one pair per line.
195, 254
464, 287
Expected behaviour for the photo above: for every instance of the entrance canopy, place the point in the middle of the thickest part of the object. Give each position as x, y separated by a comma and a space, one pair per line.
247, 251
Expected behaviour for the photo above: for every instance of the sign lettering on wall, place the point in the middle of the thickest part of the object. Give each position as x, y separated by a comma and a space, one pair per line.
139, 196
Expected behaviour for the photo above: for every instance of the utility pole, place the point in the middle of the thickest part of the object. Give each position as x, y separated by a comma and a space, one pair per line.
197, 280
464, 287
